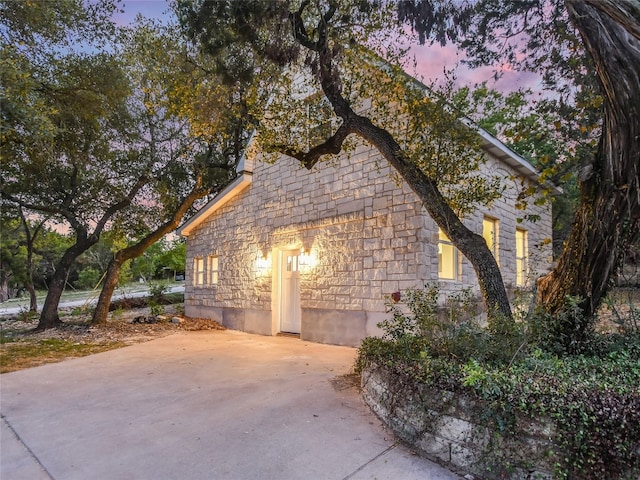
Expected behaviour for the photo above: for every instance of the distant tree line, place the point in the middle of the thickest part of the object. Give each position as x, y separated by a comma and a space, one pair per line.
19, 275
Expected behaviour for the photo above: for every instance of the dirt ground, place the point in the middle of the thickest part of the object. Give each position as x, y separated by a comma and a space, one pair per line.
121, 327
21, 347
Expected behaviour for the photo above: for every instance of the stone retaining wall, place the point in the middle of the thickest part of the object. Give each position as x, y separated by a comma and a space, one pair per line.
455, 430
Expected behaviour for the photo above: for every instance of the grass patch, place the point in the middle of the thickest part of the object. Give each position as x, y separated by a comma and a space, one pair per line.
6, 337
18, 355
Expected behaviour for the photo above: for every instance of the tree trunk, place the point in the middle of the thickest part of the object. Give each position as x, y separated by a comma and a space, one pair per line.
469, 243
4, 286
33, 299
113, 270
49, 316
28, 284
110, 283
609, 210
472, 245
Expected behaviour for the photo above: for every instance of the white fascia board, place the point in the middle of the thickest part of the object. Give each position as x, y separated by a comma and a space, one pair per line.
246, 164
229, 192
505, 154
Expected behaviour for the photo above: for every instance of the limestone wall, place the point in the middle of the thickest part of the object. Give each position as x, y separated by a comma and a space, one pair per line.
368, 236
453, 429
509, 219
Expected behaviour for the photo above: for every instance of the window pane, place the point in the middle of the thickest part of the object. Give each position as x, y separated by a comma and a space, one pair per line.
213, 270
521, 257
199, 271
447, 258
447, 263
292, 263
520, 275
519, 243
489, 233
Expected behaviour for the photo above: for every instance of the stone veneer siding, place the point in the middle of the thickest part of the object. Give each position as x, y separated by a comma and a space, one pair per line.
370, 238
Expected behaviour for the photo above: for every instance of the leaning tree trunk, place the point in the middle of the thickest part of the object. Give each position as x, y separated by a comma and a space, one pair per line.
108, 287
49, 316
472, 245
609, 209
113, 270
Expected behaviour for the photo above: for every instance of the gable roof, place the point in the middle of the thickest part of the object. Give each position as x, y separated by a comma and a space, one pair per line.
234, 188
241, 182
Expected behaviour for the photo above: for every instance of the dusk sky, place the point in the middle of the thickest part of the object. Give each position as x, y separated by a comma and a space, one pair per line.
431, 60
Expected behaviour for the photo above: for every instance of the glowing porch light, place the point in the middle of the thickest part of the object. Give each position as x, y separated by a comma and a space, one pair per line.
263, 262
307, 258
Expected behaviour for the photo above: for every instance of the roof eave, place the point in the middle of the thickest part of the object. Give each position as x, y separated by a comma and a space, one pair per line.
228, 193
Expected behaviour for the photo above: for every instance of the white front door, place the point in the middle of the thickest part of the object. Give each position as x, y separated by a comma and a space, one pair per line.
290, 293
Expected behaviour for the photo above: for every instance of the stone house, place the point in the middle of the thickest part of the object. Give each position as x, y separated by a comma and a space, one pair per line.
316, 253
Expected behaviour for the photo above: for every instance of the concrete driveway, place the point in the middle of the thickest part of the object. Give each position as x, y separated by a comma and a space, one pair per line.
199, 405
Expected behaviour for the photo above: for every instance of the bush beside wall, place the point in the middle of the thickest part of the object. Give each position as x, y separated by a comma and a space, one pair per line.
457, 430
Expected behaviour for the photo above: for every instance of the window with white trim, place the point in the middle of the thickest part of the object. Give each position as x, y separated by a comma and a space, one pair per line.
447, 258
522, 254
198, 271
213, 264
490, 235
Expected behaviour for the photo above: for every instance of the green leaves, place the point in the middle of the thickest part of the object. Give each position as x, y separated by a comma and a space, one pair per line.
591, 402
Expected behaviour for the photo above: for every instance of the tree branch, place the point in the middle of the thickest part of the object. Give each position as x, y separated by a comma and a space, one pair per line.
125, 202
299, 31
331, 146
51, 209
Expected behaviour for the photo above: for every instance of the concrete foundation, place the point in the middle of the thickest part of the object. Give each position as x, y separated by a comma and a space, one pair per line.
334, 327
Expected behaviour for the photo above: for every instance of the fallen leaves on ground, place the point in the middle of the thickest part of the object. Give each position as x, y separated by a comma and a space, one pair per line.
21, 347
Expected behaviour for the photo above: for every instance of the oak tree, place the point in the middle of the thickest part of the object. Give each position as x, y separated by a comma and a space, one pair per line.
587, 52
346, 50
192, 122
69, 149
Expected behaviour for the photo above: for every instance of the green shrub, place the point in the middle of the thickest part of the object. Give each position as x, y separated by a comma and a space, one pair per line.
567, 332
454, 330
156, 308
158, 290
594, 403
587, 383
88, 278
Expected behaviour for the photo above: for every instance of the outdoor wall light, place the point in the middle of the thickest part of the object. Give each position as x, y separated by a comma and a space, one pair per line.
263, 262
307, 258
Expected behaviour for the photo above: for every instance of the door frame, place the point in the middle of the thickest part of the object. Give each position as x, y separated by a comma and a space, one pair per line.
278, 255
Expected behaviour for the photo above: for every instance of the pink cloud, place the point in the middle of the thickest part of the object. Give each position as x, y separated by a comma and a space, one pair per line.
432, 60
